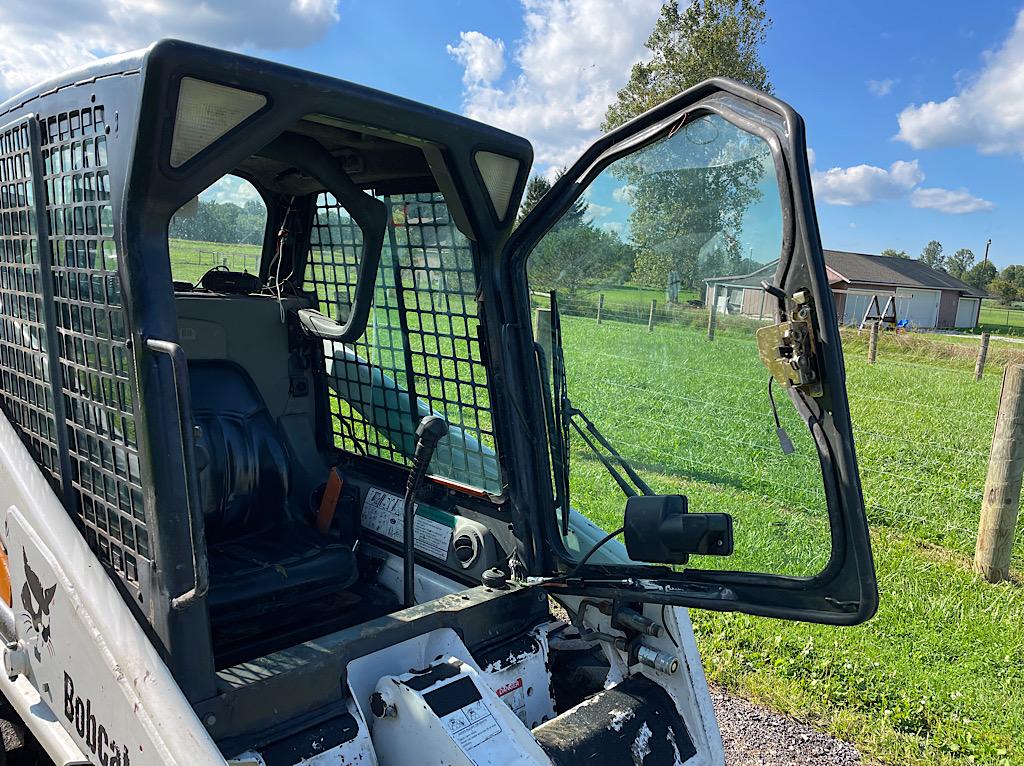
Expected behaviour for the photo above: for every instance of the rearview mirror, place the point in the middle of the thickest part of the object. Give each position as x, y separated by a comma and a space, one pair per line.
658, 529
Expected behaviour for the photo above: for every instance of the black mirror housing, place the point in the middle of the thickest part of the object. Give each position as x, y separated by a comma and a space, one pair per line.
659, 530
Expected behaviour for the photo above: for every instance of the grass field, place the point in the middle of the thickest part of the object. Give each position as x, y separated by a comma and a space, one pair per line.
938, 675
191, 259
1000, 319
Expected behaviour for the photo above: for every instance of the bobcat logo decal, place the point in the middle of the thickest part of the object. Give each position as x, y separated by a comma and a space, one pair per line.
36, 599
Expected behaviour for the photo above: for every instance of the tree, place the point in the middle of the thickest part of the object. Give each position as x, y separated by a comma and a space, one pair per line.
711, 38
1006, 292
685, 203
960, 262
981, 275
932, 255
535, 189
891, 253
572, 257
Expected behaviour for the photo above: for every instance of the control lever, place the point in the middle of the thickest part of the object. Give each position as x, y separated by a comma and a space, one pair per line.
428, 433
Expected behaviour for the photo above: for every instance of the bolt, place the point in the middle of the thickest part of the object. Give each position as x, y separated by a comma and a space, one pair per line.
209, 720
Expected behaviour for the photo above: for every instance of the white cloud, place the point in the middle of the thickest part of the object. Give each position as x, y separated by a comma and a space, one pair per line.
952, 201
867, 184
864, 184
482, 58
573, 57
623, 194
986, 112
598, 211
881, 87
44, 39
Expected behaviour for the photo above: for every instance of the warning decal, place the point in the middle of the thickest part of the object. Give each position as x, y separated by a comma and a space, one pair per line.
383, 513
512, 694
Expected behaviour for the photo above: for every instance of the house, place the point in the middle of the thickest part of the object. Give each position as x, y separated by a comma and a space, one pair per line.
925, 297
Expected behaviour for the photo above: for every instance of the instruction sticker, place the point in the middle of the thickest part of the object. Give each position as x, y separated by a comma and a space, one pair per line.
471, 727
383, 513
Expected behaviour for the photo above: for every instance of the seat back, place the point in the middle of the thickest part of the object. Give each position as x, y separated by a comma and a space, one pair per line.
243, 474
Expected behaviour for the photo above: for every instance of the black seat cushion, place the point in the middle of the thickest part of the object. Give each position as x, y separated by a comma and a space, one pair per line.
261, 555
259, 572
244, 466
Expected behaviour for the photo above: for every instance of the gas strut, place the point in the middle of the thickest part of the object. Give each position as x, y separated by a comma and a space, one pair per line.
428, 433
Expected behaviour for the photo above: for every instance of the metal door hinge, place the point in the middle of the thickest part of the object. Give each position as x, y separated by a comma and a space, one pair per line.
789, 349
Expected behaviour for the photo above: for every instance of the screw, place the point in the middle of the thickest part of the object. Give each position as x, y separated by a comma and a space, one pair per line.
209, 720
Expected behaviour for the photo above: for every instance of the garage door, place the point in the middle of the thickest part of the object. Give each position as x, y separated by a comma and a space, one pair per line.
920, 307
967, 312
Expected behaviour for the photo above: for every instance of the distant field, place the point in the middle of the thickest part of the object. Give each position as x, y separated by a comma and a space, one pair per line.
999, 319
937, 677
191, 259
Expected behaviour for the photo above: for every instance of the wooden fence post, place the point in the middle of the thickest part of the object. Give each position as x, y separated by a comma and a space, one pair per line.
873, 343
979, 367
713, 312
600, 307
542, 332
650, 319
1001, 502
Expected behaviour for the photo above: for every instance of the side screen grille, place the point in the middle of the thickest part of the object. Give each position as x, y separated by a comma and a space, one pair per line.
420, 353
26, 388
91, 338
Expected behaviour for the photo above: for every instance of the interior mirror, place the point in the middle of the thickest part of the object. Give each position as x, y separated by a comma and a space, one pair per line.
658, 529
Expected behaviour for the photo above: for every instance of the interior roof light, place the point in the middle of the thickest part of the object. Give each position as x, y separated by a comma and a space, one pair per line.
499, 173
206, 112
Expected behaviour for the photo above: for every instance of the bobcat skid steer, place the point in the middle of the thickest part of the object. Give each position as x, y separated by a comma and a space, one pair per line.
285, 469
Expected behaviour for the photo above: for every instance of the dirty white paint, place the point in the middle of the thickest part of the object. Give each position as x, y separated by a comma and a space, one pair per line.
96, 672
642, 744
619, 718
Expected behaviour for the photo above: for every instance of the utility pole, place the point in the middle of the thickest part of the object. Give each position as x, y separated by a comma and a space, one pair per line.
987, 246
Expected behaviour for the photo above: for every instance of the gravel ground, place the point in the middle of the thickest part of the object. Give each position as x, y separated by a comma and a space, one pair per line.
754, 736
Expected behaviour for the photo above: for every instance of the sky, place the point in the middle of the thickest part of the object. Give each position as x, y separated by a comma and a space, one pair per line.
914, 110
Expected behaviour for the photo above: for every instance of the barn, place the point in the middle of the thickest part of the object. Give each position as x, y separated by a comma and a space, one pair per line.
925, 297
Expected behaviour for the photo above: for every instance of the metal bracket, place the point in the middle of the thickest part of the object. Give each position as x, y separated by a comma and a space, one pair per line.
789, 349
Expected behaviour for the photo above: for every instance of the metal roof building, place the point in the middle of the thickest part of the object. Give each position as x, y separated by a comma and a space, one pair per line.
925, 297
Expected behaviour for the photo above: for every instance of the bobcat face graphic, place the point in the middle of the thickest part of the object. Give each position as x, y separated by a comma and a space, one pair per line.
36, 599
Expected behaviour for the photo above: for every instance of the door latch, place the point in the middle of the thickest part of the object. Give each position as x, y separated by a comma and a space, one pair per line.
789, 349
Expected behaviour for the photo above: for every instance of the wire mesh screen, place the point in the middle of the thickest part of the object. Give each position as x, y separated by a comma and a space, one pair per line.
92, 334
25, 377
420, 353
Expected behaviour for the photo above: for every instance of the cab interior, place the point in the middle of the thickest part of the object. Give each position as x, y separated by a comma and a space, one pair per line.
273, 403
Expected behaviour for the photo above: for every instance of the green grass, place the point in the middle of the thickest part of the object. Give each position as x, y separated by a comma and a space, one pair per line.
1000, 319
191, 259
938, 675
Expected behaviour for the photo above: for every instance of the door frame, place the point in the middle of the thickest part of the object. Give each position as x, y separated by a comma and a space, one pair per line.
845, 591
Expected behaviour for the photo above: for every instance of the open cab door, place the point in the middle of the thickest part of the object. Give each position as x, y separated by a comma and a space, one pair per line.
694, 365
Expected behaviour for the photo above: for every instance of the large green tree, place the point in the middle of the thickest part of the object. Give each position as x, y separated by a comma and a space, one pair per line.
710, 38
691, 206
960, 262
932, 255
981, 275
893, 253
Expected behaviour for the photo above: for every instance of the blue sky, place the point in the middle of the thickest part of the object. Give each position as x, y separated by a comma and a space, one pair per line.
915, 110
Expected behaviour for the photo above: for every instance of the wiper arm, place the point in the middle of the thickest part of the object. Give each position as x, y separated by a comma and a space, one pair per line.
591, 431
565, 416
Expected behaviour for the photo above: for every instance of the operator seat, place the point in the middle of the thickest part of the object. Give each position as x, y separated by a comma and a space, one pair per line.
263, 555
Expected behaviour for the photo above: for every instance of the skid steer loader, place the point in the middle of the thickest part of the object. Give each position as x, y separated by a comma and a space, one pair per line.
302, 495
